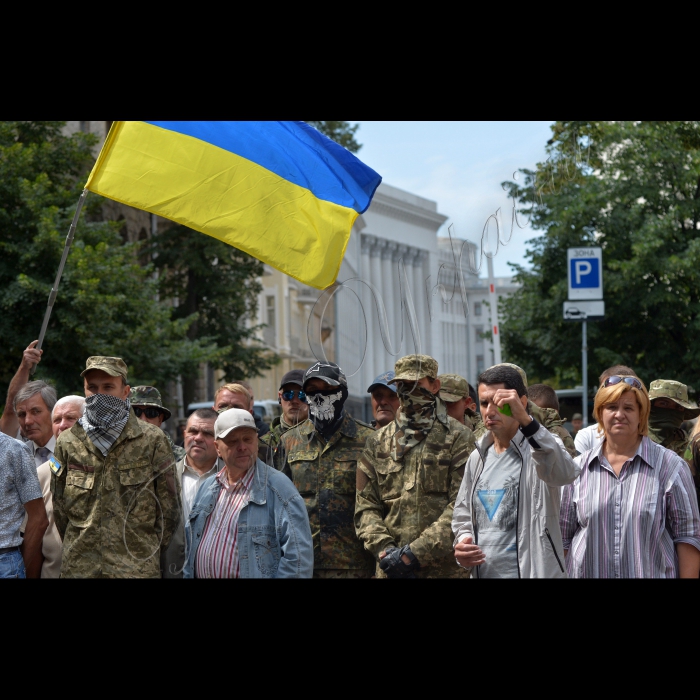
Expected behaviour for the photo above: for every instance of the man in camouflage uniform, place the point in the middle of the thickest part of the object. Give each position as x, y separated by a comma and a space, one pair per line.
457, 395
408, 479
321, 460
295, 410
547, 417
116, 499
670, 406
472, 415
148, 407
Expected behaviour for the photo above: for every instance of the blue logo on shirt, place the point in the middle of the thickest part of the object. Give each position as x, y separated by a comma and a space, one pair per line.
491, 499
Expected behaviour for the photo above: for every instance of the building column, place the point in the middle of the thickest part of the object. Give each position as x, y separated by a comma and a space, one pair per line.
414, 341
401, 254
424, 321
389, 297
376, 280
369, 315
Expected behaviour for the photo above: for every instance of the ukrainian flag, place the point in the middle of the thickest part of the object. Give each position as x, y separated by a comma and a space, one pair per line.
281, 191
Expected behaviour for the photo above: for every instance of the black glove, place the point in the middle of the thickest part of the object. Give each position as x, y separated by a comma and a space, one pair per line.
394, 567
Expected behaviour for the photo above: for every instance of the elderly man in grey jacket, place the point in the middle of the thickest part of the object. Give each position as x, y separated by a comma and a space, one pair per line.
506, 516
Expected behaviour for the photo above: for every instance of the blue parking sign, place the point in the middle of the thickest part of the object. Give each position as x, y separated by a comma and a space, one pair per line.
585, 273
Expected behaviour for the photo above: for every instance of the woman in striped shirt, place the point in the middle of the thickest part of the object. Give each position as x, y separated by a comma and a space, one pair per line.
632, 512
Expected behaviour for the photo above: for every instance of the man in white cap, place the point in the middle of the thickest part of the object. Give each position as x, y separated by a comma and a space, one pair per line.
247, 521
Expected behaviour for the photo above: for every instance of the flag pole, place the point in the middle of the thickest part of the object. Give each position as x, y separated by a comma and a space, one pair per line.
59, 274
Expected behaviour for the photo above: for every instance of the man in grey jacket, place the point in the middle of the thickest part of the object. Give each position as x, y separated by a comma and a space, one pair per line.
506, 516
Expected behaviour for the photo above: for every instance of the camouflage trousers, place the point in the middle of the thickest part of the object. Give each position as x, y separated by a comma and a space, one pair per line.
343, 573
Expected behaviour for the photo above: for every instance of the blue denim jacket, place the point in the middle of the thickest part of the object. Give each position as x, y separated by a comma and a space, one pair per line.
274, 536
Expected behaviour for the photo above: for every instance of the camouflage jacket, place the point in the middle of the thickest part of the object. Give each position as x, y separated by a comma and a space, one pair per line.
115, 513
270, 449
325, 474
473, 421
410, 501
677, 442
178, 452
551, 420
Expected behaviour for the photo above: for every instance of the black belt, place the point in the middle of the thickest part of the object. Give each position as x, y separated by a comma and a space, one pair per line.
4, 550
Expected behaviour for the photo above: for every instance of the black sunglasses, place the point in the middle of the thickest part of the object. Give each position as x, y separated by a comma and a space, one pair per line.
150, 412
616, 379
289, 395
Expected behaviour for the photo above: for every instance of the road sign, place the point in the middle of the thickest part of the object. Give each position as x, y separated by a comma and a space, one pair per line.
585, 271
583, 310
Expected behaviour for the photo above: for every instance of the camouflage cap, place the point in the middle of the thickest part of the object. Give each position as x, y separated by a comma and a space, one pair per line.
453, 387
411, 368
676, 392
519, 370
148, 396
114, 366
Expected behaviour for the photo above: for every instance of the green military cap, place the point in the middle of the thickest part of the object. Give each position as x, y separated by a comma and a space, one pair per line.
453, 387
148, 396
676, 392
114, 366
411, 368
519, 370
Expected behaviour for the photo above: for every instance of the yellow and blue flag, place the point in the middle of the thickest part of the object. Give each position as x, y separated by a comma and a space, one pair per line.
281, 191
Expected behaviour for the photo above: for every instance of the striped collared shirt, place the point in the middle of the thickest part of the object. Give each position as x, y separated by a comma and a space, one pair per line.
217, 554
628, 526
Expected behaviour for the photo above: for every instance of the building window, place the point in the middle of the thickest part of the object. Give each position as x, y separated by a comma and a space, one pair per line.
479, 333
269, 333
477, 308
85, 127
480, 364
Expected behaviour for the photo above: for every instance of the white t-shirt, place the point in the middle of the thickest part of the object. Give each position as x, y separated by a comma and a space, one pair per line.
588, 438
496, 513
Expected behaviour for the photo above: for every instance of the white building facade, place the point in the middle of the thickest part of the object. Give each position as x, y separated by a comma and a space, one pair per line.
400, 290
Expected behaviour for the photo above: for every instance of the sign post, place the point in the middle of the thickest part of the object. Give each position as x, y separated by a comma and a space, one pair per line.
585, 273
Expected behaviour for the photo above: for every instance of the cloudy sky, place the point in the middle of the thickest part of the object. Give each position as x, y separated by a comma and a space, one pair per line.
460, 165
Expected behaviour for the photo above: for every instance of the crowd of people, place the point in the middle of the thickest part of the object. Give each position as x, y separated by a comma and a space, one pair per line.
448, 480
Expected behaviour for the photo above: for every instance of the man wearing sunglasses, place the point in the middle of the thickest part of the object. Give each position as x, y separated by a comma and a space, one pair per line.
321, 460
295, 410
148, 406
588, 438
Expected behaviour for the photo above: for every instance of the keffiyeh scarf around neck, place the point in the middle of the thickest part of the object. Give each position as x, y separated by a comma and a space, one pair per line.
414, 420
104, 419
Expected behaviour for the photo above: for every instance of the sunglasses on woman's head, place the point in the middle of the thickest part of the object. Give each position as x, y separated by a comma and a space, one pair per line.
616, 379
150, 412
289, 395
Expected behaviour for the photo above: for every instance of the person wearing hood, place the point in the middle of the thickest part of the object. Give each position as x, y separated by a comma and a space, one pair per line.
116, 499
408, 479
670, 406
321, 459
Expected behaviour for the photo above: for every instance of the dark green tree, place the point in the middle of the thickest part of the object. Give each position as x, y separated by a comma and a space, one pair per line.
634, 189
106, 302
220, 285
340, 132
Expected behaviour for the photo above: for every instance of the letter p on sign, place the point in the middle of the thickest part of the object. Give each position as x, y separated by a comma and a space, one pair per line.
585, 273
582, 268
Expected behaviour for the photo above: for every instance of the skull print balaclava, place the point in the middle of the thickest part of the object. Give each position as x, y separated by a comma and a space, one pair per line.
326, 408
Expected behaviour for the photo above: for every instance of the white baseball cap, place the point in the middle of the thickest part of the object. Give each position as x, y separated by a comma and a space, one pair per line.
230, 420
